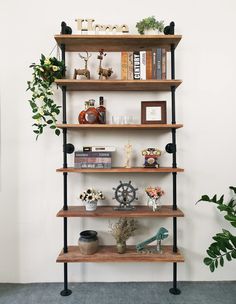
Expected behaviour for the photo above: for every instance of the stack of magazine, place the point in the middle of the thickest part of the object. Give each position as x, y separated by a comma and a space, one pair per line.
94, 157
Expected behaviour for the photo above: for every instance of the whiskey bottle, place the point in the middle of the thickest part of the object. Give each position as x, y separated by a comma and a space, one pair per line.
81, 117
101, 111
91, 114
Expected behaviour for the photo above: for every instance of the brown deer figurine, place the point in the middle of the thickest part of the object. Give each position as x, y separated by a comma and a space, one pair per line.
101, 71
83, 72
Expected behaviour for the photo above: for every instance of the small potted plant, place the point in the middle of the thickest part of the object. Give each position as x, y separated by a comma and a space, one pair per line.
90, 197
150, 26
154, 195
121, 231
45, 110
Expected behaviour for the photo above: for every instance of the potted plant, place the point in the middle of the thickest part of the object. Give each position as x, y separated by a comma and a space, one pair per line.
121, 231
45, 110
150, 26
90, 197
224, 245
154, 195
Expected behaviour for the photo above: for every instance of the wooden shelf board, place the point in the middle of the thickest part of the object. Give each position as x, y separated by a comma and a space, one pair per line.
109, 254
116, 43
123, 126
122, 170
108, 211
118, 85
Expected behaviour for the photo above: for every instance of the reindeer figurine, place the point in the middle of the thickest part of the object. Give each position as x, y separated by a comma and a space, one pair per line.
83, 72
101, 71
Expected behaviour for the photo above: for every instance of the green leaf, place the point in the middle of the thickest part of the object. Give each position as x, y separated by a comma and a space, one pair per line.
36, 131
233, 224
214, 248
233, 254
228, 256
49, 122
233, 240
222, 246
216, 263
207, 261
52, 127
230, 217
36, 116
212, 267
233, 188
211, 254
221, 261
57, 132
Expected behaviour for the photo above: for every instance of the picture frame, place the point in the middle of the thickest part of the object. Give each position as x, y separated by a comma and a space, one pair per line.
153, 112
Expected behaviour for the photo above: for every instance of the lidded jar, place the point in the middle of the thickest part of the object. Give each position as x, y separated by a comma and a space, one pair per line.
88, 242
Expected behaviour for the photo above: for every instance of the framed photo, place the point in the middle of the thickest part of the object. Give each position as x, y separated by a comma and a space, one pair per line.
153, 112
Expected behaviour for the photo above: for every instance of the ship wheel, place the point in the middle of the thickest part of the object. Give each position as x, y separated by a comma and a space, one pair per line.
125, 194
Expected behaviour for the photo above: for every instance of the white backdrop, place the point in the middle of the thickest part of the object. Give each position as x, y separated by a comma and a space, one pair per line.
31, 190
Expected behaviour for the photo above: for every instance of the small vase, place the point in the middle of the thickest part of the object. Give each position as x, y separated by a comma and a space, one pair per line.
91, 205
151, 32
88, 242
154, 203
121, 247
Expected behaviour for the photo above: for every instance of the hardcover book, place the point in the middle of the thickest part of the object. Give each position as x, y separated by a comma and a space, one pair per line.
136, 60
92, 154
130, 66
154, 64
143, 65
99, 149
158, 64
149, 65
163, 64
124, 65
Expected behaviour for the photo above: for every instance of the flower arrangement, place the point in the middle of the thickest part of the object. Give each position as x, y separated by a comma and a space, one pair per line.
150, 23
123, 229
154, 193
44, 109
91, 195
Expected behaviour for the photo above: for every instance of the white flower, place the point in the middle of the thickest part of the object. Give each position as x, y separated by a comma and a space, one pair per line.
55, 68
41, 112
47, 61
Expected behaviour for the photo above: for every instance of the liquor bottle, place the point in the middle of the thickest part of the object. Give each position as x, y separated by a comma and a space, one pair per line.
91, 114
101, 111
81, 117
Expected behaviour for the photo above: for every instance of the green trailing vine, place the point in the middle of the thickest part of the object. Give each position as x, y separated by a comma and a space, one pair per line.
149, 23
224, 245
45, 110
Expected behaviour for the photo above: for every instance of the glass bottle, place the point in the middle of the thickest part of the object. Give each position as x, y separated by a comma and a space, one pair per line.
91, 114
101, 111
81, 117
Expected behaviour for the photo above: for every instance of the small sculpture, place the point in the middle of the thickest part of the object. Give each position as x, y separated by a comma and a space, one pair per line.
65, 29
83, 72
161, 235
128, 151
125, 194
170, 29
150, 157
101, 71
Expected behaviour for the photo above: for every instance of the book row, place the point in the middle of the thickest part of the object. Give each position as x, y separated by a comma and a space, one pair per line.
143, 65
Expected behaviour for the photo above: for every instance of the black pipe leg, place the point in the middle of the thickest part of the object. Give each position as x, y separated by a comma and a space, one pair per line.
174, 290
65, 292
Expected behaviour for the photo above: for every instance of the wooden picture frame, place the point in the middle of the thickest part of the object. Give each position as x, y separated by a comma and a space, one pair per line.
153, 112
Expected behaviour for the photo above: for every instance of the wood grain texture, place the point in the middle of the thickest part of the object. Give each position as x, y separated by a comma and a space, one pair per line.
118, 85
124, 126
109, 254
116, 43
108, 211
122, 170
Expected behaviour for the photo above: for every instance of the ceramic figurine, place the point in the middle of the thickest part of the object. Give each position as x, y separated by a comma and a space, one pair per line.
161, 235
103, 73
128, 151
83, 72
151, 156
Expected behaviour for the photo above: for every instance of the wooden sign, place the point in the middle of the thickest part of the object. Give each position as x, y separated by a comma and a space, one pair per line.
87, 26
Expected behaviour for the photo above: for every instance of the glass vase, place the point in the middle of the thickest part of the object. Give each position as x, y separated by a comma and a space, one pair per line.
154, 203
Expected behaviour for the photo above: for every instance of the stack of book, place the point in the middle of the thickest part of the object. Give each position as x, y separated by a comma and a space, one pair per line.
94, 158
142, 65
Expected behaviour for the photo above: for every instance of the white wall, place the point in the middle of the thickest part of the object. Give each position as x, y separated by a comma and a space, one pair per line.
31, 190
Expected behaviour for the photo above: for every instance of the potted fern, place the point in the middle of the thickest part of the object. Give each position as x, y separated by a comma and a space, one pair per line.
45, 110
150, 26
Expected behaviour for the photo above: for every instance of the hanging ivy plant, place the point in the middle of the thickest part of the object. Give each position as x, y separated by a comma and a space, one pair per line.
224, 245
45, 110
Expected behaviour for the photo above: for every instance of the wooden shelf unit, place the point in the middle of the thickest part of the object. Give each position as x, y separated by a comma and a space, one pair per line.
116, 43
109, 254
122, 170
108, 211
123, 126
117, 85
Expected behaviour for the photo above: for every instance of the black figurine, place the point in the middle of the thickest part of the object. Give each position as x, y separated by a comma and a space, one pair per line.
65, 29
170, 29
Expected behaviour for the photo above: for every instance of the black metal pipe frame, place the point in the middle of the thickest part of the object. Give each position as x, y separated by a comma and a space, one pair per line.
174, 290
65, 291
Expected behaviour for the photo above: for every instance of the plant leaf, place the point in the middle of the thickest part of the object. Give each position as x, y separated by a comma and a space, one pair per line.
221, 261
207, 261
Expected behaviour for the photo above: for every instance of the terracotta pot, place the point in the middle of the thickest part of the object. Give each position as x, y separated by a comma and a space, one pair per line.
88, 242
